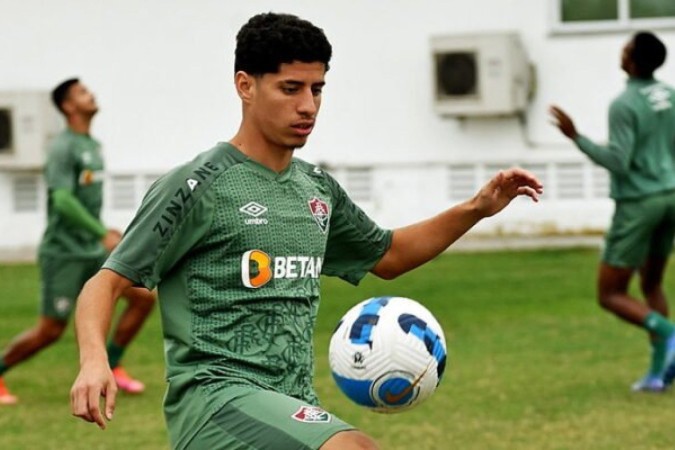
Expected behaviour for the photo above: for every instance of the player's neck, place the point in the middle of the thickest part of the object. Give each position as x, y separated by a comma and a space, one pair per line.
79, 124
256, 147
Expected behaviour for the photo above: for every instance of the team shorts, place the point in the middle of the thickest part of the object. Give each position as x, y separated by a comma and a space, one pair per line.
259, 419
62, 281
641, 228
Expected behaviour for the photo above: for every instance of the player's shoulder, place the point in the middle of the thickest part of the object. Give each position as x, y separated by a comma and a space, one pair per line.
191, 182
667, 87
636, 94
61, 148
644, 87
203, 170
316, 172
625, 102
320, 177
61, 142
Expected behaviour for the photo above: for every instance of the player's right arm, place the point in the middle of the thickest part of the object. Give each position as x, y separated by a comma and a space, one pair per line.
95, 307
616, 155
174, 215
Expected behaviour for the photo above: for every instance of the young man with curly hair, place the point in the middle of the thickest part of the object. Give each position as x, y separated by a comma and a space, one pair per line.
237, 240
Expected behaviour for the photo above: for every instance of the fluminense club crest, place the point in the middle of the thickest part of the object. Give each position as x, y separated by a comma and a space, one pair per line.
311, 414
321, 213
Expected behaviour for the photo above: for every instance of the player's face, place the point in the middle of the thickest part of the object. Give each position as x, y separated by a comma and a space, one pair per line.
80, 101
285, 105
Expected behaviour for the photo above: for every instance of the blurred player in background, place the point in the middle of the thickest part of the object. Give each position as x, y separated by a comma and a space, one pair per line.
640, 157
75, 242
237, 240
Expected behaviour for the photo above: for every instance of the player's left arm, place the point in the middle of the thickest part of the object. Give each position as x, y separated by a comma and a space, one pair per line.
416, 244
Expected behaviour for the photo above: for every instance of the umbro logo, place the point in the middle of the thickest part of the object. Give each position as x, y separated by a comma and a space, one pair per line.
255, 210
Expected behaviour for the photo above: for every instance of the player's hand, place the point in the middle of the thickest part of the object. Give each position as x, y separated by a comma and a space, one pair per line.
563, 121
504, 187
111, 239
93, 382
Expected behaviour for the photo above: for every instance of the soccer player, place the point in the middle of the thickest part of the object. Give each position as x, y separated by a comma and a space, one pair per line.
75, 242
236, 240
640, 158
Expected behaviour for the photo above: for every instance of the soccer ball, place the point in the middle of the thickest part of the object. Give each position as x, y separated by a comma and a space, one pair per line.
388, 354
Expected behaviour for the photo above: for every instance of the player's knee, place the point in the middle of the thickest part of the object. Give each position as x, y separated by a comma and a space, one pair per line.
607, 302
50, 332
350, 440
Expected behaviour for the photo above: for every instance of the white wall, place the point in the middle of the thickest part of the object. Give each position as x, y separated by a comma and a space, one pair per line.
162, 72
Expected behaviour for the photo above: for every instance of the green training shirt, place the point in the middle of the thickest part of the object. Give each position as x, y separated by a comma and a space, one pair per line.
74, 163
237, 251
640, 155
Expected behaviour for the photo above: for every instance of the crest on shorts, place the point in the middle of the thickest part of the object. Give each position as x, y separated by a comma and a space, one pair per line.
321, 213
63, 304
311, 414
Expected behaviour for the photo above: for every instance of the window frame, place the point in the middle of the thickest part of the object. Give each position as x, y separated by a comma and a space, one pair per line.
623, 23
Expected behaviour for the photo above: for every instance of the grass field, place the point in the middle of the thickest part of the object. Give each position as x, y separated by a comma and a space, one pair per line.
533, 364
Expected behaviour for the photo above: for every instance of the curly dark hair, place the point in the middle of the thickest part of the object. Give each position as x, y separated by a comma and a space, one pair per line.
649, 53
268, 40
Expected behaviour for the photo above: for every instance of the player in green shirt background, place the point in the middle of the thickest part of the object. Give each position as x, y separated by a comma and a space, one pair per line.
75, 242
640, 157
236, 241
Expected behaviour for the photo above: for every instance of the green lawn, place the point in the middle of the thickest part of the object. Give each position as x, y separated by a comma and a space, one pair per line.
533, 364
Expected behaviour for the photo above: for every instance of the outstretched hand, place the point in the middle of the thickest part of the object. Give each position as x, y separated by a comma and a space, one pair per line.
504, 187
92, 383
563, 121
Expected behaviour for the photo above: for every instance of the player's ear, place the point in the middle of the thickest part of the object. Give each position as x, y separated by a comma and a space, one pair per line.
67, 107
245, 85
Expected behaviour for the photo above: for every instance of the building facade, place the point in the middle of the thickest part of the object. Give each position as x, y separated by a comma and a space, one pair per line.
424, 100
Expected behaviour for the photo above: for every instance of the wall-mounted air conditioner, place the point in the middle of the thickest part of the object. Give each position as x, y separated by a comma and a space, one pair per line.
481, 74
28, 121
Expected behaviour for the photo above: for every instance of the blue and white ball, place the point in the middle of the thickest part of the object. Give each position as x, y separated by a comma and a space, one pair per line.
388, 354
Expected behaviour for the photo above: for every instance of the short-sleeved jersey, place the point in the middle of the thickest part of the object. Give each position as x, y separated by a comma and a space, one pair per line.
237, 251
74, 162
641, 151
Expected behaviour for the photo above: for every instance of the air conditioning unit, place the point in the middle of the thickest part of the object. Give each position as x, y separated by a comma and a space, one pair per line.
28, 121
481, 75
